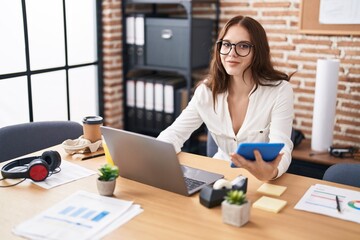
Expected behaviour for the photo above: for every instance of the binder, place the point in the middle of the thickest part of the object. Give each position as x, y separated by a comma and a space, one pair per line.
140, 103
181, 100
130, 40
130, 104
149, 103
135, 39
170, 86
140, 39
154, 101
159, 104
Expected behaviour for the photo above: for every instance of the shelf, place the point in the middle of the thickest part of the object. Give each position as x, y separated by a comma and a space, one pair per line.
181, 71
186, 3
190, 36
168, 1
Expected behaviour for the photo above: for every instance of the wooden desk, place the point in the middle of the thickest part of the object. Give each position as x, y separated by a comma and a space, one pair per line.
171, 216
309, 163
303, 152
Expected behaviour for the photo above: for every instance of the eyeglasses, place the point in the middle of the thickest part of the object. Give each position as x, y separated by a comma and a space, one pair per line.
242, 48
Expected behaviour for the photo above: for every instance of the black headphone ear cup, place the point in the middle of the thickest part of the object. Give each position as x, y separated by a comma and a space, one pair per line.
38, 170
52, 158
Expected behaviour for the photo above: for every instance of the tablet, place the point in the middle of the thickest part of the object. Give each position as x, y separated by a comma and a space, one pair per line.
269, 151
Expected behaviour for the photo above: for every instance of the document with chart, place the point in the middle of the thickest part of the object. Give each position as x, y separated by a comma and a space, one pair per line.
69, 172
82, 215
332, 201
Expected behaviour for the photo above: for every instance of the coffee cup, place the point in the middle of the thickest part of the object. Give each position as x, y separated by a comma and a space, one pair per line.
91, 128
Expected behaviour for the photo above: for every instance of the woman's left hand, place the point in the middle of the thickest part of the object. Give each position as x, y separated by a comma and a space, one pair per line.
261, 169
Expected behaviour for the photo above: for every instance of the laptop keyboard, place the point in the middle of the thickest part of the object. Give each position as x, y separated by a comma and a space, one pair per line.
192, 183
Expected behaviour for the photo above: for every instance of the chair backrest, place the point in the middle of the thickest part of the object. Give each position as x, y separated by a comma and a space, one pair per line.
344, 173
25, 138
211, 147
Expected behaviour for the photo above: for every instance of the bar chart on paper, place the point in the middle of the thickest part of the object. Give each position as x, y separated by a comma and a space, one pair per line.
322, 199
83, 213
80, 216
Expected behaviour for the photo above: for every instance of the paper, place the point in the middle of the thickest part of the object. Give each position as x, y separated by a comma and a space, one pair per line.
327, 76
269, 204
69, 172
339, 12
81, 216
132, 212
271, 189
322, 199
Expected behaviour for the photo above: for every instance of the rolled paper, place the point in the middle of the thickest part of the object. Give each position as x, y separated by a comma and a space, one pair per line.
327, 77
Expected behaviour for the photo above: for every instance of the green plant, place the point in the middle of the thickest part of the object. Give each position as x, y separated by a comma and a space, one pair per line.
236, 197
108, 172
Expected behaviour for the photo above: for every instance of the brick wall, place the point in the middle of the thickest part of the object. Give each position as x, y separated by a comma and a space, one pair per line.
112, 50
291, 51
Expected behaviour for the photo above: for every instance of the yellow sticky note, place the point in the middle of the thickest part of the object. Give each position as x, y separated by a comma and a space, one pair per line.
269, 204
271, 189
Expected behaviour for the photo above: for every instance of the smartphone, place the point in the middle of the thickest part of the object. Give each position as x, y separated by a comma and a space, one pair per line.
268, 151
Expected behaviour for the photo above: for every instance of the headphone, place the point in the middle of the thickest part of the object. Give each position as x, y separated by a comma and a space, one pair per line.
36, 168
342, 152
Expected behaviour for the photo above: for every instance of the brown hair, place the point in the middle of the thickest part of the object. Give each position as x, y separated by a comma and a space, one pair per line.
261, 66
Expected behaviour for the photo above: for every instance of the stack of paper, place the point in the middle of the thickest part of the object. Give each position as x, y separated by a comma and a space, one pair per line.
69, 172
322, 199
81, 216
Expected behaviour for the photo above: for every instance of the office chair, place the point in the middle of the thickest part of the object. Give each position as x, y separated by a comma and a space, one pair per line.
344, 173
211, 147
20, 139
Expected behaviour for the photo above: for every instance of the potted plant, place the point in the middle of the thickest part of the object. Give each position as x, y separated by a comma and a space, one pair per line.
235, 208
107, 179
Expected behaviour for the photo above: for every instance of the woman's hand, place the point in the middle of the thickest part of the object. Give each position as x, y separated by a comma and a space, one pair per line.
261, 169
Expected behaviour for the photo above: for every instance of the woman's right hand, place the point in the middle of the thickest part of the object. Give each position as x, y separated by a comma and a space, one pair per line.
261, 169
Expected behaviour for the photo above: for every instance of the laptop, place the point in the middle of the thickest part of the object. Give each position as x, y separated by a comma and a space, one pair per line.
153, 162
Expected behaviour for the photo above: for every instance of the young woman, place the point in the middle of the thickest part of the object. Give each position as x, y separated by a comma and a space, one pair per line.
244, 99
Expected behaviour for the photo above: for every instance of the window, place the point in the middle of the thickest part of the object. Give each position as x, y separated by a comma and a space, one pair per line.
50, 66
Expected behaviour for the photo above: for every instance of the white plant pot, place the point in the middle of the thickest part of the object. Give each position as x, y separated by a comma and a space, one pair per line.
106, 188
236, 215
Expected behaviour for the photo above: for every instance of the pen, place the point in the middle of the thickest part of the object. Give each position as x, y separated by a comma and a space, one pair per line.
337, 204
93, 156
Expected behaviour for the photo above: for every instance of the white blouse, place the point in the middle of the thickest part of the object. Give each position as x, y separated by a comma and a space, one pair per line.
269, 118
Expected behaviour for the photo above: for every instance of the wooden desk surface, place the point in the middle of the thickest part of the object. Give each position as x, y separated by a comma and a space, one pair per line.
171, 216
303, 152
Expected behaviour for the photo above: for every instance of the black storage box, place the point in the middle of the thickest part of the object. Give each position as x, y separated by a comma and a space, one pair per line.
167, 42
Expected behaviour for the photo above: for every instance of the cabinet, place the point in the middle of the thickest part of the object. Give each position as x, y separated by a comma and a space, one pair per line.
307, 163
171, 46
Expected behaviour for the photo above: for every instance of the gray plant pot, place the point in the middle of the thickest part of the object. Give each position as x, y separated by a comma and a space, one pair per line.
236, 215
106, 188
